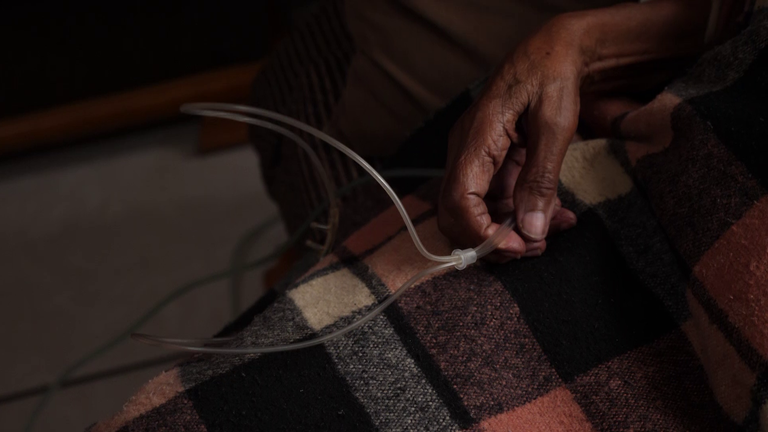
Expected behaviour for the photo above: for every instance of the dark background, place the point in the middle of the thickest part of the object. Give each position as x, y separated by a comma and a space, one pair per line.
53, 53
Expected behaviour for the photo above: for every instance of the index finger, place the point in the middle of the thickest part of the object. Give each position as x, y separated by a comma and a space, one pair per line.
462, 213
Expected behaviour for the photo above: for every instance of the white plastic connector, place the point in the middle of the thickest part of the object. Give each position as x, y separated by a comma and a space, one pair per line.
468, 256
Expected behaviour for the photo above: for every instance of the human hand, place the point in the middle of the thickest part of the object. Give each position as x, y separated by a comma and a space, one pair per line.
505, 152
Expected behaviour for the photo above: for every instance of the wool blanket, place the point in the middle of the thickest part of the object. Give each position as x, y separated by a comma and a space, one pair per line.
650, 314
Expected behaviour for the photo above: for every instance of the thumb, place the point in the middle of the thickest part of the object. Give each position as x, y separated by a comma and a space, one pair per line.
552, 125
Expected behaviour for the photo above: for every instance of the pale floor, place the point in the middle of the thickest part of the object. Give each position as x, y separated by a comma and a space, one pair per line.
93, 236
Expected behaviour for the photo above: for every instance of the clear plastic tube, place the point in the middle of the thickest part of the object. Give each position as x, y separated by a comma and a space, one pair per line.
496, 238
197, 345
460, 259
314, 159
192, 345
217, 110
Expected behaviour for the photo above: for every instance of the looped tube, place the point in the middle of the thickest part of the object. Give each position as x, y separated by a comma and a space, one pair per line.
460, 259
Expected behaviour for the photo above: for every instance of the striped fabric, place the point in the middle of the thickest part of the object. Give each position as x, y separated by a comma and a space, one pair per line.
650, 314
304, 79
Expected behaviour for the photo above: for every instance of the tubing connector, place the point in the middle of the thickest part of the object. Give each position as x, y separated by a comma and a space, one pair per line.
468, 256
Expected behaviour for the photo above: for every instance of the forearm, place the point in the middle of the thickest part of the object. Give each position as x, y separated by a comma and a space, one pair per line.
633, 33
618, 43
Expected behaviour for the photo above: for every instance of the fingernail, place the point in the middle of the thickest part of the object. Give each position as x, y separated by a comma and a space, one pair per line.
534, 225
533, 253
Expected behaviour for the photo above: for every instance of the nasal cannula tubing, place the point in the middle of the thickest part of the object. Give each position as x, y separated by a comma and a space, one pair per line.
459, 259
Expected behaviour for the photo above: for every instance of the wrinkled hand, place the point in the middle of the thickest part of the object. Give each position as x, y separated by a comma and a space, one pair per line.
505, 152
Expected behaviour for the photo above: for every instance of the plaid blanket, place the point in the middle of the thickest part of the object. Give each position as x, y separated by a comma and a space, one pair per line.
650, 314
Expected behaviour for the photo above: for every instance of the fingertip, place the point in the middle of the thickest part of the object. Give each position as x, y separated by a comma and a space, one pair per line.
563, 220
571, 217
512, 244
567, 217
